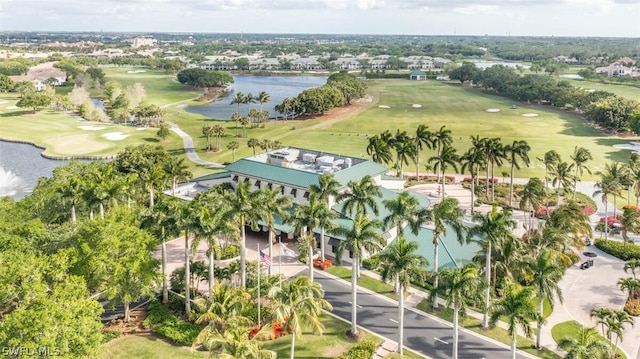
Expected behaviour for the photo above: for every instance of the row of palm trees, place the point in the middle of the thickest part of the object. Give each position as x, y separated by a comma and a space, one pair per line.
485, 154
253, 115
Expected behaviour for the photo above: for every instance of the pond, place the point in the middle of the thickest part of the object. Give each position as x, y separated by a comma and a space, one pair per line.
20, 168
277, 87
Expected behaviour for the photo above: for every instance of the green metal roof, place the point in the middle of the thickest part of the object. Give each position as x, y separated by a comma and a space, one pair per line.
299, 178
417, 72
450, 252
277, 174
211, 176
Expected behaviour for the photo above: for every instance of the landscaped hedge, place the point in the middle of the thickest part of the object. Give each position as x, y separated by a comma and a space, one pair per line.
162, 322
363, 350
617, 249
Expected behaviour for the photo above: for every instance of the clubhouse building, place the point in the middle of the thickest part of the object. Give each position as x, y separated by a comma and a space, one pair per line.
294, 170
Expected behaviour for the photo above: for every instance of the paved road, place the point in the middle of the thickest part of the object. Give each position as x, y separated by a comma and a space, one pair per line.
380, 316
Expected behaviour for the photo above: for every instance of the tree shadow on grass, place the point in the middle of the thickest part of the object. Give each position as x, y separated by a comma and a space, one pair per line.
151, 139
615, 154
17, 113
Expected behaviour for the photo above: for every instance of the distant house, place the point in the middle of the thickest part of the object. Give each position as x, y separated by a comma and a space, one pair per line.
43, 75
417, 75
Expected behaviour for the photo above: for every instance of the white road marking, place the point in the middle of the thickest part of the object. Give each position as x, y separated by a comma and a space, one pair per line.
357, 305
393, 320
440, 340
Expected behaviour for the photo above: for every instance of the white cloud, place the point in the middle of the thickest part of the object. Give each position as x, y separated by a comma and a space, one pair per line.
475, 9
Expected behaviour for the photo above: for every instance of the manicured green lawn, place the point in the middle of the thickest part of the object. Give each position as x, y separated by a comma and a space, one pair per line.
571, 329
145, 347
618, 89
330, 344
364, 281
460, 109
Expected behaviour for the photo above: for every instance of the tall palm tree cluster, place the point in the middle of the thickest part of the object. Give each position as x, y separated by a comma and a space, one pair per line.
254, 116
401, 148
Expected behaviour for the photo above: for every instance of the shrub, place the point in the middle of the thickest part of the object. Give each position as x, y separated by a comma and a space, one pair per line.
110, 335
617, 249
371, 263
632, 306
362, 350
162, 322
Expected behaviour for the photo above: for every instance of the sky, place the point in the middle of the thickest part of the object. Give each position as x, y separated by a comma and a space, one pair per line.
592, 18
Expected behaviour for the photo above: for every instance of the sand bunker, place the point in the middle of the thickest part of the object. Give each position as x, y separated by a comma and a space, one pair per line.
529, 115
12, 107
416, 105
115, 136
1, 102
633, 146
91, 128
384, 106
493, 110
136, 71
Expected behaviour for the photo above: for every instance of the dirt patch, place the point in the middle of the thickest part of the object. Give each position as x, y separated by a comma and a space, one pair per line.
340, 112
134, 326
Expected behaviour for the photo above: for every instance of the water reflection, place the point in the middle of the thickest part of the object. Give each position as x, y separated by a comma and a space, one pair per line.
277, 87
20, 168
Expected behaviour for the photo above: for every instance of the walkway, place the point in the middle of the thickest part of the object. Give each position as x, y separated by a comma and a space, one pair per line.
189, 148
582, 289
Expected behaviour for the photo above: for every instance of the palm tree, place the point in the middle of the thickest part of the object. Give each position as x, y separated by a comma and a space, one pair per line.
441, 138
70, 192
274, 204
493, 228
632, 265
630, 223
218, 132
401, 263
403, 208
423, 138
213, 223
531, 198
313, 215
363, 237
494, 154
405, 149
550, 160
601, 315
459, 287
631, 285
545, 271
516, 306
160, 220
176, 170
326, 190
472, 160
224, 306
518, 149
589, 344
444, 215
359, 196
379, 148
187, 222
607, 185
447, 157
245, 208
562, 176
253, 143
615, 326
244, 121
233, 146
300, 303
207, 131
263, 98
579, 157
238, 99
236, 117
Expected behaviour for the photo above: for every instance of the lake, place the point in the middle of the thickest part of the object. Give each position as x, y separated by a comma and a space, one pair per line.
278, 88
20, 168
